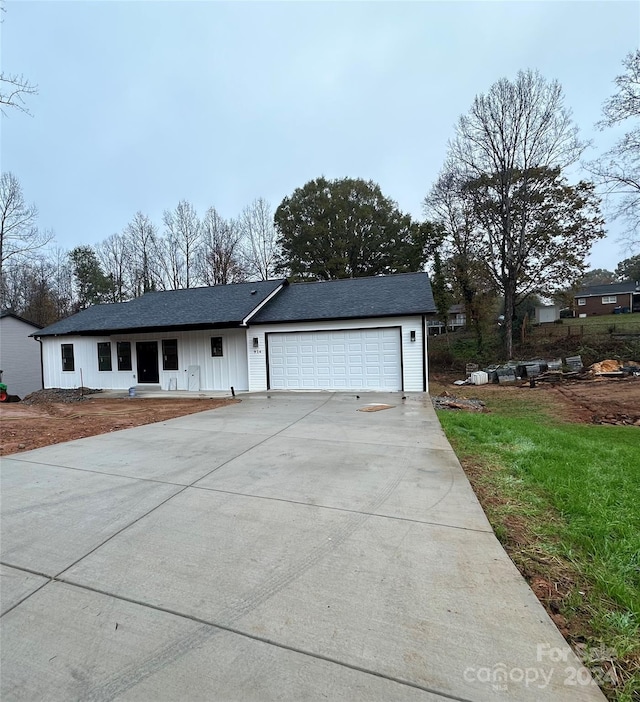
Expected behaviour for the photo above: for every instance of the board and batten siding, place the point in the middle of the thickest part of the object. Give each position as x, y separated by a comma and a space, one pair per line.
412, 351
19, 357
194, 349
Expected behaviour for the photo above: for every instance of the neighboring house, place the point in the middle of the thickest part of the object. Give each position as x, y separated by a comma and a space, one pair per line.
352, 334
607, 299
547, 313
19, 355
456, 318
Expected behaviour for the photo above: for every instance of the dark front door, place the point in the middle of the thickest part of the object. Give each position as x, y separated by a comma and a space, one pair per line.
147, 353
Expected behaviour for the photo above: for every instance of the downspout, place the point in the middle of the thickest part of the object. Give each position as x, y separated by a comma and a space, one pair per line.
424, 353
39, 340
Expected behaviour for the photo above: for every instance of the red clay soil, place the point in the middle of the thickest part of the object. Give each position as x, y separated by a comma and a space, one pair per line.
602, 400
24, 427
587, 401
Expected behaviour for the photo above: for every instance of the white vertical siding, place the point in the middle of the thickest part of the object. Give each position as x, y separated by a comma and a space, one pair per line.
412, 351
19, 357
194, 349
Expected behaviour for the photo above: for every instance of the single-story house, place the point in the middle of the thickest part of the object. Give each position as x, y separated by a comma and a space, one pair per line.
456, 318
351, 334
608, 298
19, 355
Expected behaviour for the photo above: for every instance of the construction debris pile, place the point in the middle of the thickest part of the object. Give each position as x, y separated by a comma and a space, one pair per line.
48, 395
446, 401
553, 371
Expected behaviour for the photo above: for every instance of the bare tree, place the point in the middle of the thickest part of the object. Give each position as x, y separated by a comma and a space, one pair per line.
259, 239
618, 170
14, 88
31, 289
113, 255
142, 248
170, 262
61, 280
19, 235
449, 206
510, 148
220, 256
183, 234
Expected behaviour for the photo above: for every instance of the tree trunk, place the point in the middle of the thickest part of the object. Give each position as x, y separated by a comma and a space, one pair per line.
509, 306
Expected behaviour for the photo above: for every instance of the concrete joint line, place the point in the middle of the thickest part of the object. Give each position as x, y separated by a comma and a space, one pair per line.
265, 640
341, 509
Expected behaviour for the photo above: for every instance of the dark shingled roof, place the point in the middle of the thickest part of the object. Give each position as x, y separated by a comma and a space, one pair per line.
9, 313
608, 289
218, 306
379, 296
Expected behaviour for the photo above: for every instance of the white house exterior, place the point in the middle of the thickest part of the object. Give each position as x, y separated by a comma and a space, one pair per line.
19, 355
356, 334
194, 352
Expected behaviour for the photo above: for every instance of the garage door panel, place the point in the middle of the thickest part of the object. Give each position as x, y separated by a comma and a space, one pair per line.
339, 360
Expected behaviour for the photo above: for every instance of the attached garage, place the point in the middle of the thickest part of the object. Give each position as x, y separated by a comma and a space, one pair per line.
347, 359
351, 334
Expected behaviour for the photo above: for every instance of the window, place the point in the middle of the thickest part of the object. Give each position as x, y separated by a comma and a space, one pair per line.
216, 346
124, 355
582, 301
104, 356
67, 357
169, 354
609, 299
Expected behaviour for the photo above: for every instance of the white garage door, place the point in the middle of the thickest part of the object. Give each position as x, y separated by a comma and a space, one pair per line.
355, 359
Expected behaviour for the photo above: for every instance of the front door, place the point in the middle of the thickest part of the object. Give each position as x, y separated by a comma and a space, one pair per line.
147, 353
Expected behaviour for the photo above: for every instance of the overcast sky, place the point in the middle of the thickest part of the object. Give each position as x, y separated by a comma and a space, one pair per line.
142, 103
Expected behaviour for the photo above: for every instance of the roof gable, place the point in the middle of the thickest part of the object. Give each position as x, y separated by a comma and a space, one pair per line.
217, 306
349, 298
8, 313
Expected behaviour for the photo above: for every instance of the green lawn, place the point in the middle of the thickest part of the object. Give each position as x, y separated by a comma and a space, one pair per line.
578, 488
620, 321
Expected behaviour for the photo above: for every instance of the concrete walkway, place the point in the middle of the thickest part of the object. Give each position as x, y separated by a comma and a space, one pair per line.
287, 547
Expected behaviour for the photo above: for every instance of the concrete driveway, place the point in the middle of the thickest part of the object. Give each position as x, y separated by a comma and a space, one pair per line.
288, 547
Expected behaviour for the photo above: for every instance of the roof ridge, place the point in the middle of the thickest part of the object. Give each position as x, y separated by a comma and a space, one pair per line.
209, 287
360, 277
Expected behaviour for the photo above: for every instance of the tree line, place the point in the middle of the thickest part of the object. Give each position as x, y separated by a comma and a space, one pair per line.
501, 222
45, 283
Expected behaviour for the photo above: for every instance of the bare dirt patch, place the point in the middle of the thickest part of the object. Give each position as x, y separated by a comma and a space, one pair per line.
602, 400
52, 420
588, 401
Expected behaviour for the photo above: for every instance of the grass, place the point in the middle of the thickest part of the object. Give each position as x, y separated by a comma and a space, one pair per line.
604, 321
572, 494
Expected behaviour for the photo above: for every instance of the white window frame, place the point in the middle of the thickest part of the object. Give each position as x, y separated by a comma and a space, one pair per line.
609, 299
582, 301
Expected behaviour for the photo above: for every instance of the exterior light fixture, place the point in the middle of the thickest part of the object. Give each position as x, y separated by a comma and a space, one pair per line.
255, 342
413, 335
